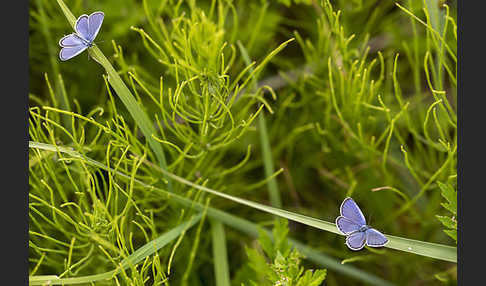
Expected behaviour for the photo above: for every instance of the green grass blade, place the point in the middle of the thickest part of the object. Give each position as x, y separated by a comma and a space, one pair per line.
140, 117
233, 221
274, 194
137, 256
275, 199
432, 250
221, 269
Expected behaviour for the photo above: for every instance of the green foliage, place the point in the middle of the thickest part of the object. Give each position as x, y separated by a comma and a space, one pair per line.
362, 103
290, 2
278, 262
450, 223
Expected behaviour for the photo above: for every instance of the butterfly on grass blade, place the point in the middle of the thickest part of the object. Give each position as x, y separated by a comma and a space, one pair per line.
86, 27
352, 223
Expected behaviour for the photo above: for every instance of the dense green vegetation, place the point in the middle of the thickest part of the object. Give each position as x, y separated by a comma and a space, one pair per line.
212, 142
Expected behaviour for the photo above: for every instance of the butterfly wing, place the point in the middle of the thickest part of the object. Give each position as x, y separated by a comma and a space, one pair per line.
82, 27
351, 211
94, 24
375, 238
346, 225
67, 53
356, 241
70, 40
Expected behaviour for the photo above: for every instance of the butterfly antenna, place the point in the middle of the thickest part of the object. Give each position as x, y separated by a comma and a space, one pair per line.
95, 43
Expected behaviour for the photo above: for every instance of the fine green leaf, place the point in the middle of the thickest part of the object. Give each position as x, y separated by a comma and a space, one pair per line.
137, 256
450, 195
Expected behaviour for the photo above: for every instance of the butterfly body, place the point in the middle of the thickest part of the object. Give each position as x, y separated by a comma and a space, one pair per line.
352, 223
86, 27
364, 228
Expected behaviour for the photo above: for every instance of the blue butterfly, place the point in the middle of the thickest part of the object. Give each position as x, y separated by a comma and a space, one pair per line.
352, 223
87, 27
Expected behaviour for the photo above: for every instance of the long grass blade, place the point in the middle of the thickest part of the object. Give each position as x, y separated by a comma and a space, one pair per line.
432, 250
221, 269
274, 194
228, 219
139, 116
